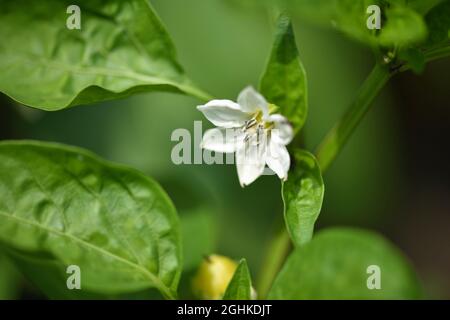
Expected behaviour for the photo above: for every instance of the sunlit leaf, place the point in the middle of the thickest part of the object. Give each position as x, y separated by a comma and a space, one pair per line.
64, 206
122, 48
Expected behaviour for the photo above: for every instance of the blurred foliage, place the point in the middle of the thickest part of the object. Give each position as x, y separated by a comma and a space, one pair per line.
343, 263
401, 25
124, 50
198, 230
137, 131
48, 226
9, 279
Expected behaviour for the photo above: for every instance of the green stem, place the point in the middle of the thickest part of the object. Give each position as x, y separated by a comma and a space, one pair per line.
326, 153
276, 253
339, 134
437, 53
197, 93
328, 150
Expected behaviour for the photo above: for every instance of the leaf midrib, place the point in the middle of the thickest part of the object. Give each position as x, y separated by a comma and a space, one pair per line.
153, 278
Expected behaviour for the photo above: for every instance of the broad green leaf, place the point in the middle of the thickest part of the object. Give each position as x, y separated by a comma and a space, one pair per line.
45, 273
198, 231
438, 21
122, 48
342, 263
240, 286
65, 206
302, 196
284, 80
350, 17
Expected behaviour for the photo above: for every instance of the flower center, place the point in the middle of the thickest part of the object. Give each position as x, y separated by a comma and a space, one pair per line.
257, 128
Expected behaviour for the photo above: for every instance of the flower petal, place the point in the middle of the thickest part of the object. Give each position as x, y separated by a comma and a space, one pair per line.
278, 159
250, 160
224, 113
282, 132
221, 140
252, 101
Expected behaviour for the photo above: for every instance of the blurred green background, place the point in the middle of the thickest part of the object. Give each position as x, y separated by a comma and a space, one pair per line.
392, 177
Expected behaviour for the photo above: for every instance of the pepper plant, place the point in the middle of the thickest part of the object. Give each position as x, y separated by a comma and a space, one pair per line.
62, 205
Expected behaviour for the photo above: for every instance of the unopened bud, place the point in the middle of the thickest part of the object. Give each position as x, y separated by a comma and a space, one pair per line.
213, 276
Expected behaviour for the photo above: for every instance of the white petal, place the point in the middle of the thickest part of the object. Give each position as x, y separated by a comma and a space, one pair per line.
252, 101
224, 113
278, 159
250, 161
221, 140
282, 132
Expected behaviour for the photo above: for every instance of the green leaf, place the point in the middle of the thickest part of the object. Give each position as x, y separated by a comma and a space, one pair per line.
284, 80
337, 264
9, 279
240, 286
45, 273
122, 48
65, 206
438, 21
302, 197
400, 25
198, 230
48, 275
415, 59
403, 27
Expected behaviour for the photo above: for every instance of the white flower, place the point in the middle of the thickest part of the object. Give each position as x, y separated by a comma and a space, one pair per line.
247, 128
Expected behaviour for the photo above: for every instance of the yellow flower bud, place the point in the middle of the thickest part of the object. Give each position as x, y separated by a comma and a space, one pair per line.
213, 276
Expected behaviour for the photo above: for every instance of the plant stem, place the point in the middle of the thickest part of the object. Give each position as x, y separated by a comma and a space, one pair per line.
197, 93
276, 253
326, 153
339, 134
437, 53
